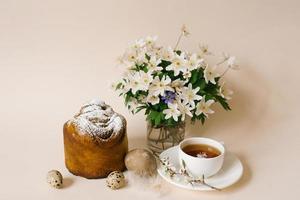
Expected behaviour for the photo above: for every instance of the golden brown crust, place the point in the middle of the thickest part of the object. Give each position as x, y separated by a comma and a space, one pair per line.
91, 157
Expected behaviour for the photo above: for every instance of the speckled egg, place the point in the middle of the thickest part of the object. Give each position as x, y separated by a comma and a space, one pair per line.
115, 180
55, 179
141, 161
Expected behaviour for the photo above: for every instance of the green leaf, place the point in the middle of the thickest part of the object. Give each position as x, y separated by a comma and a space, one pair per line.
209, 97
127, 98
223, 102
212, 89
183, 164
202, 119
140, 108
153, 114
164, 63
118, 86
194, 77
202, 84
147, 57
158, 119
147, 111
178, 52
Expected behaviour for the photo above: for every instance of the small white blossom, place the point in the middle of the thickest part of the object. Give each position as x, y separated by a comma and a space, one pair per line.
203, 50
178, 64
231, 62
185, 109
144, 79
138, 81
184, 30
134, 83
210, 74
168, 164
189, 95
158, 87
150, 41
155, 51
194, 62
178, 84
153, 64
225, 92
164, 159
182, 171
141, 56
142, 99
152, 99
130, 56
168, 54
204, 107
187, 74
172, 111
138, 44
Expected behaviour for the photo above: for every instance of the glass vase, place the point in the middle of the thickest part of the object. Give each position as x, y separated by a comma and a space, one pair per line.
164, 137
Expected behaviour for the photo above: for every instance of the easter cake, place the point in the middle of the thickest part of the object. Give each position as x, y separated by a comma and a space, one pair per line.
95, 141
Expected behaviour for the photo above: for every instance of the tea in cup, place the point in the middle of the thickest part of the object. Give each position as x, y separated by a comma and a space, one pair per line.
202, 156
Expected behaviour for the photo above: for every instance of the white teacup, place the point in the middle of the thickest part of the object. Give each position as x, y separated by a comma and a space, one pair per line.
199, 166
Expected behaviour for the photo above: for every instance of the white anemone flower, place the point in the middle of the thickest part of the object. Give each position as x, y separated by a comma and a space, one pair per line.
158, 87
138, 44
142, 99
178, 64
141, 57
194, 62
155, 51
152, 99
184, 30
138, 81
225, 92
204, 107
168, 54
185, 109
150, 41
187, 75
178, 84
172, 111
210, 74
130, 56
189, 95
134, 83
204, 50
144, 79
153, 64
231, 62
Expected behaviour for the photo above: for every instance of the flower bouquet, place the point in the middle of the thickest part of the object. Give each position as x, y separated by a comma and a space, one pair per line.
170, 84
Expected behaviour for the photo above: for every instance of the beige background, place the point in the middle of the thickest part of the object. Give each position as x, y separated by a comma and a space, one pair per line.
56, 55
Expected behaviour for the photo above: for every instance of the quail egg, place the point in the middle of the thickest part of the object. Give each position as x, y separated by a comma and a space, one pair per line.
115, 180
55, 179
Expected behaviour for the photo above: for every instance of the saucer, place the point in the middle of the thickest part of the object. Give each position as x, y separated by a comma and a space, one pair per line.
229, 174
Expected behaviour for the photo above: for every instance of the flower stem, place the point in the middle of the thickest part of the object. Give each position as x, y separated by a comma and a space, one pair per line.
225, 71
178, 41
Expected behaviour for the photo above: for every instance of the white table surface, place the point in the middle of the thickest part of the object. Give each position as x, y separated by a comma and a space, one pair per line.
56, 55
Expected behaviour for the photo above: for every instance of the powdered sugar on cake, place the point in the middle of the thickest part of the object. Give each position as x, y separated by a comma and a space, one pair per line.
98, 119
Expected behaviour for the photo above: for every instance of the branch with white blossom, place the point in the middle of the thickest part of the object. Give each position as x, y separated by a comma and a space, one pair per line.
171, 171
